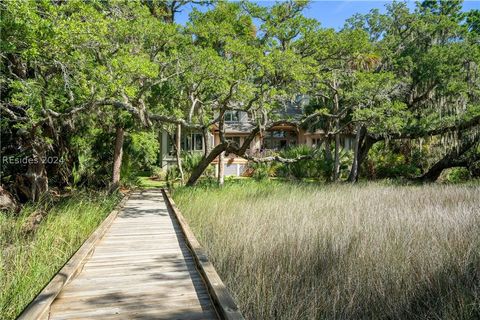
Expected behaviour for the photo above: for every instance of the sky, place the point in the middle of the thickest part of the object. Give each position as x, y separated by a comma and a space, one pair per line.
332, 14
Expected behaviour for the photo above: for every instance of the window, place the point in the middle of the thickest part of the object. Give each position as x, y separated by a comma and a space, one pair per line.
192, 142
278, 140
197, 141
186, 142
279, 134
232, 116
235, 140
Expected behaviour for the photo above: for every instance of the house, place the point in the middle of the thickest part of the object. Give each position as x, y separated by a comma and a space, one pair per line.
238, 126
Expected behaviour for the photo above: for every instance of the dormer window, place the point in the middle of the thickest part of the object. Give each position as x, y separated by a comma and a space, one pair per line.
232, 116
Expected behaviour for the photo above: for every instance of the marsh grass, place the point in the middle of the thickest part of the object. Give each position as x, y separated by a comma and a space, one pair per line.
371, 251
29, 260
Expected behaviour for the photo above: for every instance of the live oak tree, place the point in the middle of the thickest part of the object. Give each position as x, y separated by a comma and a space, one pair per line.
226, 58
336, 84
433, 54
67, 62
44, 71
258, 72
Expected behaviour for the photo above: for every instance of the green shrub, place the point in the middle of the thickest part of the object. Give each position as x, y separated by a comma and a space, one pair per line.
262, 171
457, 175
315, 167
159, 173
300, 169
172, 173
346, 159
383, 162
141, 149
190, 160
94, 158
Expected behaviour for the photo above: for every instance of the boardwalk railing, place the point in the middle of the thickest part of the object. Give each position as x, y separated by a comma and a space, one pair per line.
79, 273
222, 299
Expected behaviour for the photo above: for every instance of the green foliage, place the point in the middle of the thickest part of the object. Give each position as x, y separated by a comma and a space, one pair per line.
399, 72
308, 168
141, 148
317, 166
158, 173
262, 171
457, 175
93, 165
383, 162
172, 174
190, 161
30, 257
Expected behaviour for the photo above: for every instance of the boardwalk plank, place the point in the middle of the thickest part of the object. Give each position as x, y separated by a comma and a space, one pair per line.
140, 269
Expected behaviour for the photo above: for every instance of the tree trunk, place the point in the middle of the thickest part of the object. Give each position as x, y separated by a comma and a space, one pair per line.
204, 163
217, 150
34, 183
178, 152
450, 160
336, 164
336, 110
221, 169
365, 144
117, 157
359, 137
37, 173
328, 155
221, 156
206, 142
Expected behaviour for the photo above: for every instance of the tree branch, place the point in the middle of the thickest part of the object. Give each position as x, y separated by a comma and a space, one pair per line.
12, 114
419, 133
276, 159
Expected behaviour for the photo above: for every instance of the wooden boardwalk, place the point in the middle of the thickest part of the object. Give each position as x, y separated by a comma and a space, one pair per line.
140, 269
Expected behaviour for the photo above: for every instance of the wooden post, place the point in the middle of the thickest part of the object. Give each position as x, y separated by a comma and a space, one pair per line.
221, 169
223, 301
336, 165
117, 157
178, 150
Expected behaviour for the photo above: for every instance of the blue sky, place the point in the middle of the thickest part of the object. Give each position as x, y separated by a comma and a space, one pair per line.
332, 14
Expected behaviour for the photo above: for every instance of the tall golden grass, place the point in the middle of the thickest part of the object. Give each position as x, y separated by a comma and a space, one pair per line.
372, 251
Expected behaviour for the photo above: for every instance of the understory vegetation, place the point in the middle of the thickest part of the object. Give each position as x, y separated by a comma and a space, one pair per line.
38, 242
398, 161
371, 251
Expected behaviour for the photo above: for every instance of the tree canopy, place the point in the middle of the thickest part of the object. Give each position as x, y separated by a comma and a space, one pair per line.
73, 71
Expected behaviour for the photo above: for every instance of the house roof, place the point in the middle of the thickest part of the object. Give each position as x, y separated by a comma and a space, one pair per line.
290, 111
239, 127
316, 132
